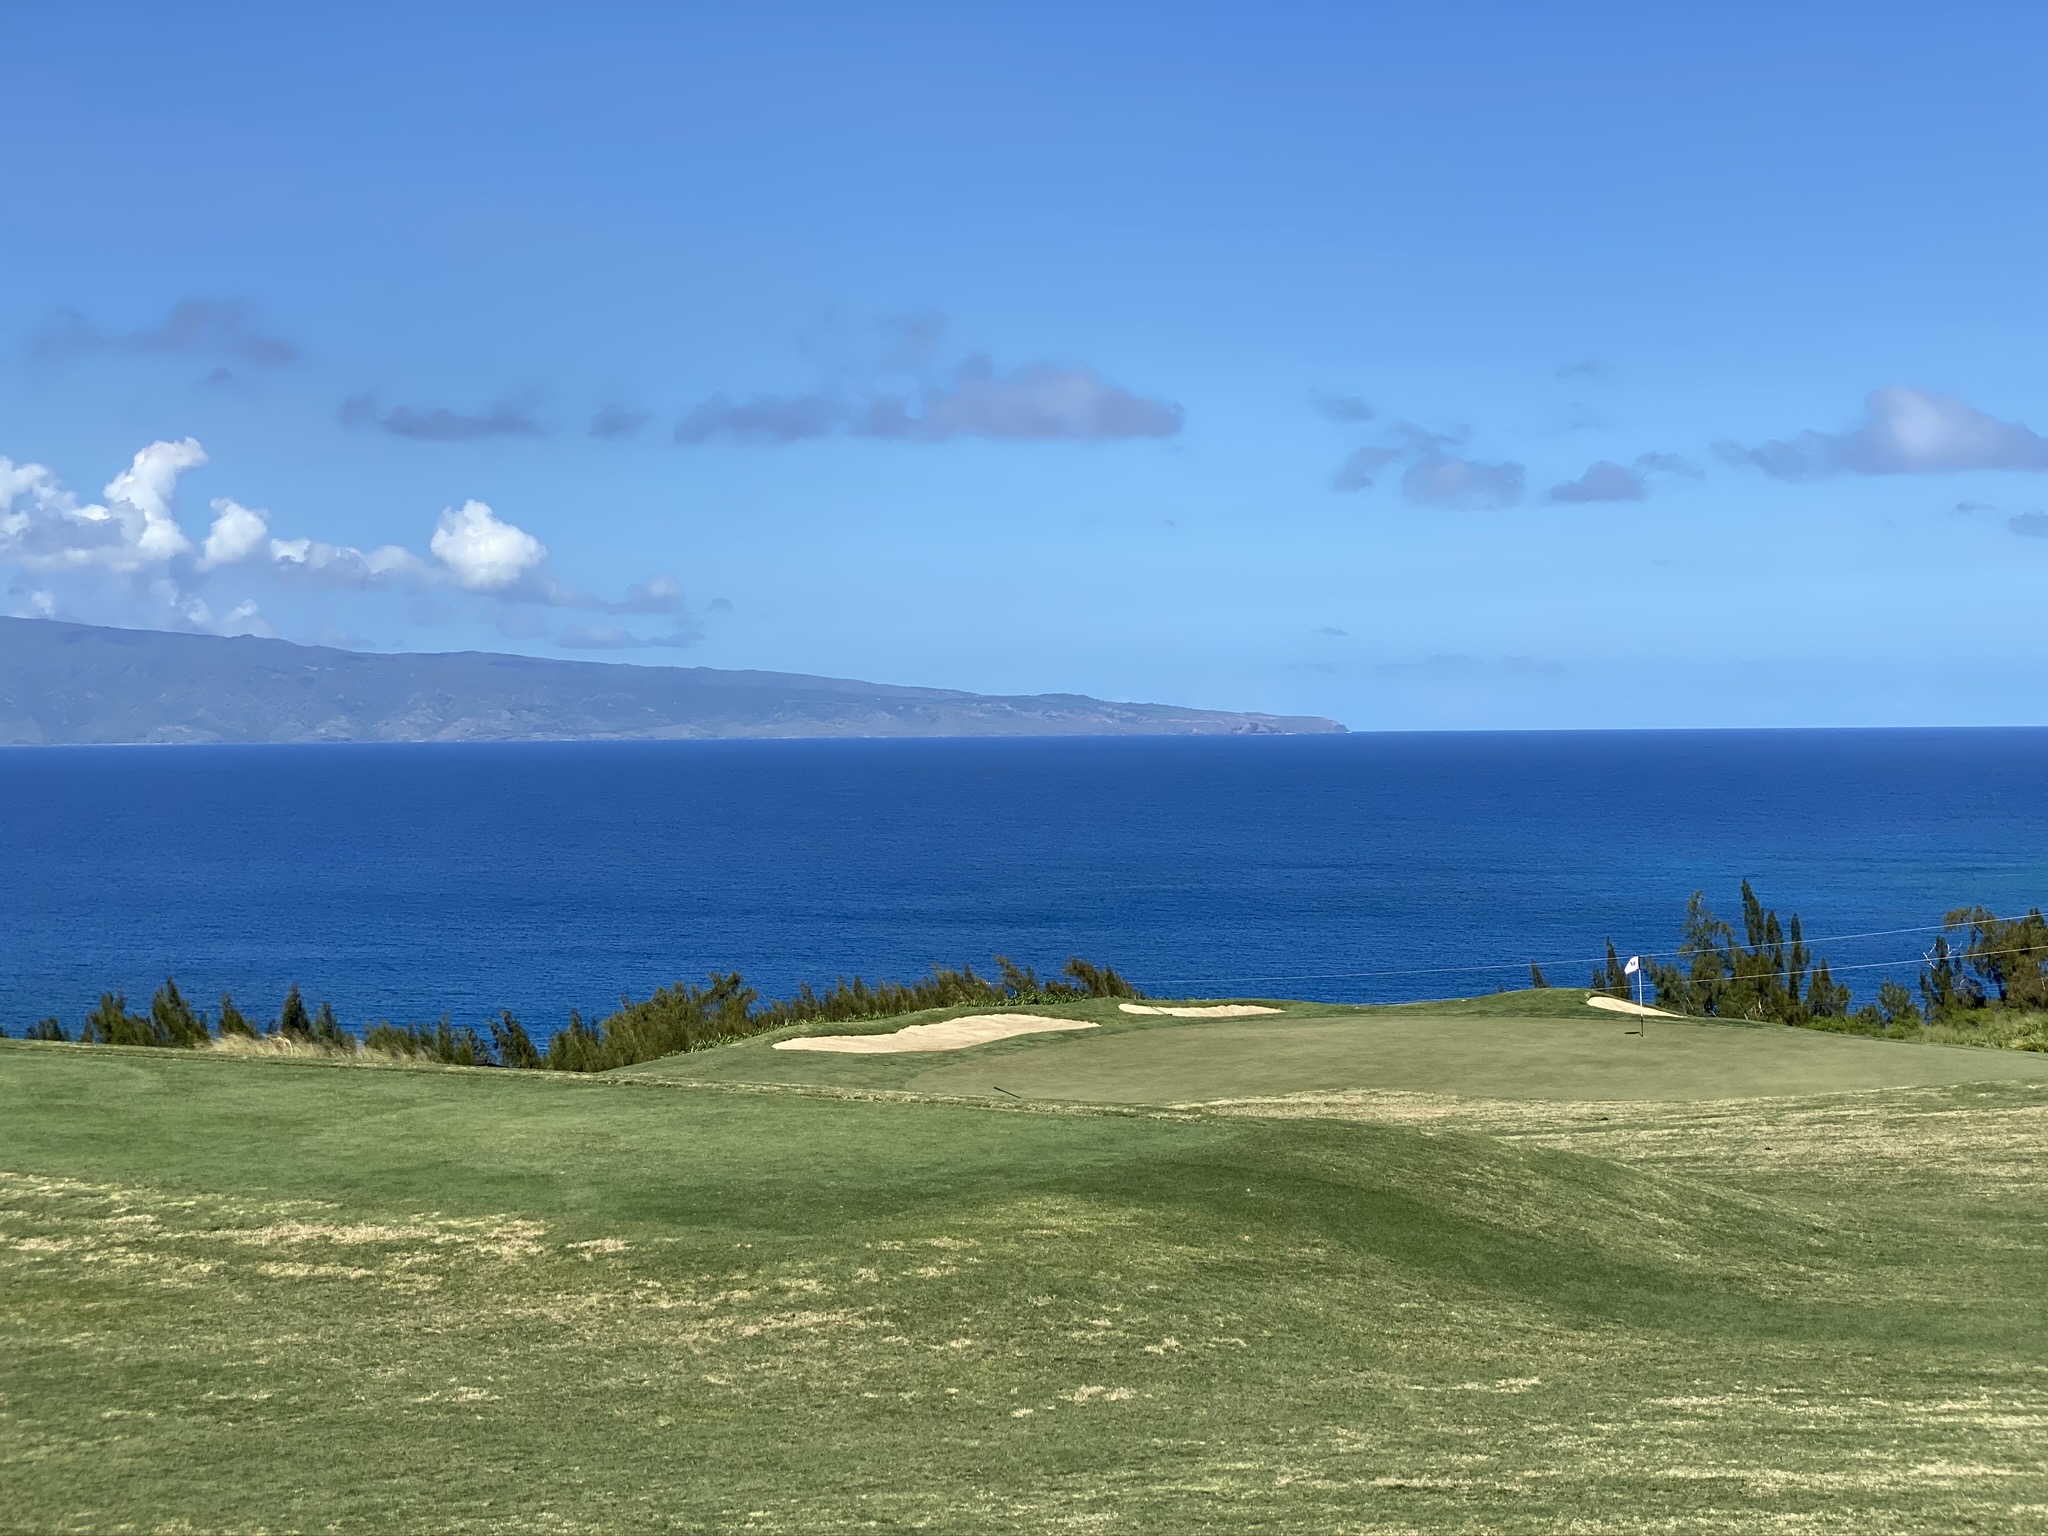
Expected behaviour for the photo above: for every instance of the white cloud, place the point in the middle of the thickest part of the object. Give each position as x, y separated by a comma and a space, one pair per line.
143, 490
343, 565
44, 527
482, 552
134, 538
1903, 432
245, 618
237, 533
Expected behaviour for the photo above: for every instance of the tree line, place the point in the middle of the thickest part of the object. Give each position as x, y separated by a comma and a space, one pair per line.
1981, 971
678, 1018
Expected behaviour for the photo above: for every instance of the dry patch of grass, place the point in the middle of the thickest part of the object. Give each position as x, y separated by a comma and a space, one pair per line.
661, 1308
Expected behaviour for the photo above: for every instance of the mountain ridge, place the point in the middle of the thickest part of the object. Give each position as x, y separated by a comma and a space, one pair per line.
64, 684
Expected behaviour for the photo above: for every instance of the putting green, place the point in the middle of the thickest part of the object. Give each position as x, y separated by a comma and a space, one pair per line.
1480, 1052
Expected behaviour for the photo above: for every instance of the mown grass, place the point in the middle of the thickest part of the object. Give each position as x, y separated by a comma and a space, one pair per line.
288, 1295
1518, 1045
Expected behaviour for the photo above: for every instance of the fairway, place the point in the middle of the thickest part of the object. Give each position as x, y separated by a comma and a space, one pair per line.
242, 1294
1519, 1046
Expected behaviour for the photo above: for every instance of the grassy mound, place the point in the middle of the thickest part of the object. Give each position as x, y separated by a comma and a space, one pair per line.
240, 1293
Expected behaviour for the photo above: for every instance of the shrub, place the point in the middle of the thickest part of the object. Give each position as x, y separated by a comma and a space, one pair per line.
110, 1023
173, 1020
513, 1044
231, 1021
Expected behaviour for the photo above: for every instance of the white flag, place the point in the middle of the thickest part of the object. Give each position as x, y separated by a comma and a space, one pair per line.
1635, 963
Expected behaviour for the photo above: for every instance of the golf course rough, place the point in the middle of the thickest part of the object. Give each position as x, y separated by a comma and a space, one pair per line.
1383, 1293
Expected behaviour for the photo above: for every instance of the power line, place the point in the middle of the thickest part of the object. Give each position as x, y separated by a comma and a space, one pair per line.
1653, 954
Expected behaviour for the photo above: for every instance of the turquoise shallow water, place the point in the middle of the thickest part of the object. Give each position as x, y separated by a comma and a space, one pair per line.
408, 881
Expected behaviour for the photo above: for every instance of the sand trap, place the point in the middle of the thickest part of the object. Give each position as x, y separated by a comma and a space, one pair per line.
1203, 1011
1616, 1005
946, 1035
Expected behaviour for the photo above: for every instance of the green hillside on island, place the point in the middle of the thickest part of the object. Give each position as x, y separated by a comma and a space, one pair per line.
1498, 1265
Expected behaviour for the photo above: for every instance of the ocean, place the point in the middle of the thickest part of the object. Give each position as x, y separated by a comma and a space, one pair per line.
406, 882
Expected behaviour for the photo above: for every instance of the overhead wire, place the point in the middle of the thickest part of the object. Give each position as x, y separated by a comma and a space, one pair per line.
1655, 954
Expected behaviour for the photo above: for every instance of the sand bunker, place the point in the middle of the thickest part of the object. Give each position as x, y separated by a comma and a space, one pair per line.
1202, 1011
946, 1035
1616, 1005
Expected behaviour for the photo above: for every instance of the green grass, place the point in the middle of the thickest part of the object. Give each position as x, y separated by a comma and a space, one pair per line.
1540, 1045
244, 1294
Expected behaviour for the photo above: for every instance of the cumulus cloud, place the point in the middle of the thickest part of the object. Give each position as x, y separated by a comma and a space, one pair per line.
196, 328
482, 552
145, 487
440, 423
237, 533
1903, 431
43, 526
615, 421
343, 565
245, 618
134, 537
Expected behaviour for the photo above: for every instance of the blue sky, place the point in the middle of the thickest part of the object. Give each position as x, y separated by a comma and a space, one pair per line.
1448, 365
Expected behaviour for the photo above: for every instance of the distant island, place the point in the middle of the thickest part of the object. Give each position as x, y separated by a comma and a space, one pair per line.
78, 684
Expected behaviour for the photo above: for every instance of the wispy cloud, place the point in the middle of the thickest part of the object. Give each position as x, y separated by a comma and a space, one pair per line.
1457, 666
900, 393
605, 637
1605, 480
440, 423
1360, 466
1444, 480
615, 421
1438, 473
2029, 525
203, 329
1346, 408
1903, 431
764, 421
1037, 403
1669, 464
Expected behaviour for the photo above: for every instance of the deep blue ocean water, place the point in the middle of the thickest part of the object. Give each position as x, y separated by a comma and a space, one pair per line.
409, 881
